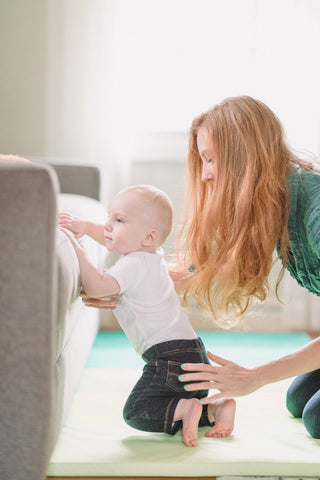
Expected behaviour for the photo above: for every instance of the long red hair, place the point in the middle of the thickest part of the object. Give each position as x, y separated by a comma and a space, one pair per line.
233, 224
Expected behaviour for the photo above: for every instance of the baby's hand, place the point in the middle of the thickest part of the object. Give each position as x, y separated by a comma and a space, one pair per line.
74, 224
69, 234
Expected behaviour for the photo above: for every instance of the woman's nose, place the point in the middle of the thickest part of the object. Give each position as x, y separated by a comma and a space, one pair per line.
207, 172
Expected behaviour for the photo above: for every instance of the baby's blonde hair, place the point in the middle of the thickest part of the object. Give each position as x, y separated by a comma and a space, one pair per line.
157, 207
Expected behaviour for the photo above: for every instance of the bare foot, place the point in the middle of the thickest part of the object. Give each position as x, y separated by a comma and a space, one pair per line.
189, 411
222, 412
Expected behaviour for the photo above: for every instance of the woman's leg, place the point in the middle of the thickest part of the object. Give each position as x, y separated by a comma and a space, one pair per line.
301, 390
311, 415
303, 401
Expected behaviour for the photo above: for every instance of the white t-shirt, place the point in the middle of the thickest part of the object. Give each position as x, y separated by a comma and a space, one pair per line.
150, 311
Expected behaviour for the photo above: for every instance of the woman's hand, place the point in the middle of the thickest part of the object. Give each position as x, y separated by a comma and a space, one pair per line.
178, 276
77, 226
230, 379
105, 303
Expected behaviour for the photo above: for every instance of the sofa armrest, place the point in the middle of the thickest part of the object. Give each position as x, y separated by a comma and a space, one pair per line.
28, 194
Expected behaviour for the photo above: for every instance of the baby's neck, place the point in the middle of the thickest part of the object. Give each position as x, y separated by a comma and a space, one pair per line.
152, 249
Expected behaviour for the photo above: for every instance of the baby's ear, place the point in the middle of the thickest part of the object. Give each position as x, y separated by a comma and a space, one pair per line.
151, 238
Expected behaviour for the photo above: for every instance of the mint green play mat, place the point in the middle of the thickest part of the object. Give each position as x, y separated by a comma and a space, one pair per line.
95, 441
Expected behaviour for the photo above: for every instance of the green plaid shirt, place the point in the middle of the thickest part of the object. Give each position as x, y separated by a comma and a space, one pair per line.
304, 229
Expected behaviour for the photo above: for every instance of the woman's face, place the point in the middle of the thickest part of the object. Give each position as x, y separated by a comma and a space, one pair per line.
206, 152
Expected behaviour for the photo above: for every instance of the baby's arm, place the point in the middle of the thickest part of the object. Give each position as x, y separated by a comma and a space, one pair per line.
95, 283
81, 227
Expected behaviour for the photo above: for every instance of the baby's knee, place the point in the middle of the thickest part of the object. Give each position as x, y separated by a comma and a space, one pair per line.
128, 415
133, 416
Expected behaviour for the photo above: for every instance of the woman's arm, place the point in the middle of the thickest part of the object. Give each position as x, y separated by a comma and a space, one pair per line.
232, 380
179, 276
81, 227
94, 282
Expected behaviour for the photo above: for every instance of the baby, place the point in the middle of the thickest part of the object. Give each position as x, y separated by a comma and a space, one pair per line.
140, 219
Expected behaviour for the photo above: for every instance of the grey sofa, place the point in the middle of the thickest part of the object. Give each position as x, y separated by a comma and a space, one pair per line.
46, 332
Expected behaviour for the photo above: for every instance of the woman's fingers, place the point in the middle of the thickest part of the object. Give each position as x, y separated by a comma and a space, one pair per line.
105, 303
230, 379
216, 396
207, 377
190, 387
201, 372
97, 303
208, 380
219, 360
203, 367
109, 298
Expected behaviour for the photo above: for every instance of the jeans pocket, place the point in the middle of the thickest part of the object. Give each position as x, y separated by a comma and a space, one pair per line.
173, 372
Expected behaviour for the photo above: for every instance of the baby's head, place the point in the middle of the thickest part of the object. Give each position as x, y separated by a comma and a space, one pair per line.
13, 158
153, 208
140, 214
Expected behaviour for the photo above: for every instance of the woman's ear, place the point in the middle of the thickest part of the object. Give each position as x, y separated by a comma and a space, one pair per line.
151, 238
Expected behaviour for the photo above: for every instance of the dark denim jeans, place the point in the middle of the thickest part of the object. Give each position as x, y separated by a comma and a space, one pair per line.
303, 400
153, 400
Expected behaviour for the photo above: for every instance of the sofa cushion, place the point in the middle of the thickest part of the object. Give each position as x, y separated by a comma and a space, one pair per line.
67, 263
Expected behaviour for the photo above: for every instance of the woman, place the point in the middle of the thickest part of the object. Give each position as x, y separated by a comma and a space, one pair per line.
248, 195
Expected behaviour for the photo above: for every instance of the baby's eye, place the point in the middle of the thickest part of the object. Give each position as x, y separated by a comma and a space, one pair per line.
119, 220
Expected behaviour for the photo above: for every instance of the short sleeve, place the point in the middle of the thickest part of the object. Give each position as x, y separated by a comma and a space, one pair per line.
128, 271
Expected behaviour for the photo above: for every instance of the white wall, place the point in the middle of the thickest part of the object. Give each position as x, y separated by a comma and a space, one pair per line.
56, 84
23, 76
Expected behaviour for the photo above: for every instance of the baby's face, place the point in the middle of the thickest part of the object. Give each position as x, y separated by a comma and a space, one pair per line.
127, 225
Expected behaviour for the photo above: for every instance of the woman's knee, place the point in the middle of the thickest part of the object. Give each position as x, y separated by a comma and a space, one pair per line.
302, 389
295, 404
311, 416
